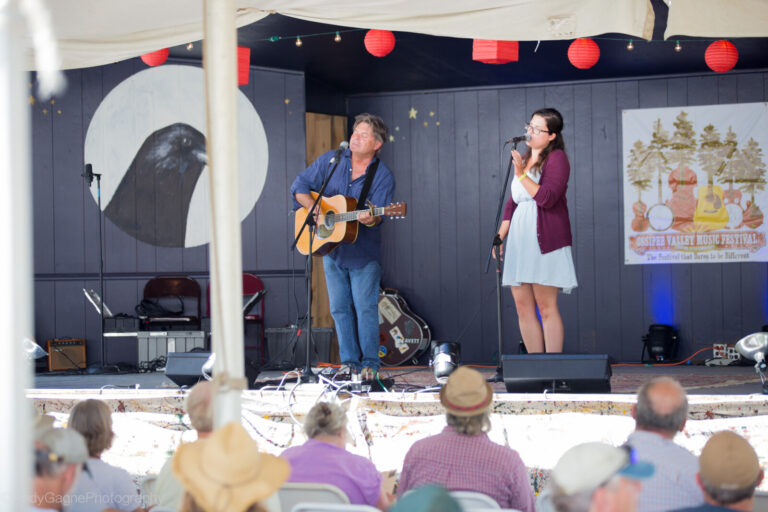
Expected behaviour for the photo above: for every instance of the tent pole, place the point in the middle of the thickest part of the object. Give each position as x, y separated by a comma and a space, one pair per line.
16, 298
219, 63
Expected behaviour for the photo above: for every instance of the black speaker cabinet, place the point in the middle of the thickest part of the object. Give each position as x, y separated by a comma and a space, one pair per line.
186, 368
557, 373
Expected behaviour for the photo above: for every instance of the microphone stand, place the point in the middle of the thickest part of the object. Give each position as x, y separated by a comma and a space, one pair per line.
496, 248
89, 175
307, 375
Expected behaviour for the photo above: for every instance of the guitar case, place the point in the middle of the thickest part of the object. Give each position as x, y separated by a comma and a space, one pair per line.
403, 336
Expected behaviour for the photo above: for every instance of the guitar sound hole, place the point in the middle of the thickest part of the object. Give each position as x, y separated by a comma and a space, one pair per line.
325, 229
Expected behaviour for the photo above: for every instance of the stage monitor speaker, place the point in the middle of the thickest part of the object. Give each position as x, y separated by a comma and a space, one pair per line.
66, 354
186, 368
557, 373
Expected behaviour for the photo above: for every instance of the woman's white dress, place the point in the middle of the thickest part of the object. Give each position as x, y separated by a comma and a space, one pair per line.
523, 261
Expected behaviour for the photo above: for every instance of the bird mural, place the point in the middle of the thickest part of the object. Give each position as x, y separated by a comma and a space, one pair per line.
152, 201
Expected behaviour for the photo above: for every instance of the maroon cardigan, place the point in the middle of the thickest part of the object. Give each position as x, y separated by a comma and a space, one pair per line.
553, 228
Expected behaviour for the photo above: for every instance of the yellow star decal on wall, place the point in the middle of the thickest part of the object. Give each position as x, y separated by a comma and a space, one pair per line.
412, 113
391, 138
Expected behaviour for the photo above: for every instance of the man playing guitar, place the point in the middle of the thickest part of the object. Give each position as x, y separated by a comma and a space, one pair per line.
353, 271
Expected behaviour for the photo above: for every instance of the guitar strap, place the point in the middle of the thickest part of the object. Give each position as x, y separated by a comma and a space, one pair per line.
367, 183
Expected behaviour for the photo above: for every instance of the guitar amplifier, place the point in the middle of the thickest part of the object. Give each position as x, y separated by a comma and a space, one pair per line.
66, 354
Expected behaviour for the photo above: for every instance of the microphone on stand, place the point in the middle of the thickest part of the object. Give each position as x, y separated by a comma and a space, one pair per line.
344, 145
519, 138
88, 174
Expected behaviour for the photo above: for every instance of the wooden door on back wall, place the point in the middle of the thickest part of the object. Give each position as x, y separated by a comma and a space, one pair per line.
324, 133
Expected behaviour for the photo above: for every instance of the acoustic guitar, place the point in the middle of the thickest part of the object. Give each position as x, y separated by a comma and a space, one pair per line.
337, 222
711, 213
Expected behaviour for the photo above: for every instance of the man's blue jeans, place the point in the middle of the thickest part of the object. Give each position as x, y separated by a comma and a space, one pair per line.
354, 300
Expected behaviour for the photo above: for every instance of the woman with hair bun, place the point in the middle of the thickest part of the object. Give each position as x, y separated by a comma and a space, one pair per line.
324, 459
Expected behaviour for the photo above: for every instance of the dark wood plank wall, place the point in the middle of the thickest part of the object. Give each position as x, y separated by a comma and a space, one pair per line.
66, 222
451, 175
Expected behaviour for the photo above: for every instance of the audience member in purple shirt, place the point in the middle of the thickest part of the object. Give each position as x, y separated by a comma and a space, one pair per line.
323, 459
538, 260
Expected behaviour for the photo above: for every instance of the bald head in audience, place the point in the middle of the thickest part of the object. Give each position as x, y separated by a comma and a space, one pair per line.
662, 407
199, 407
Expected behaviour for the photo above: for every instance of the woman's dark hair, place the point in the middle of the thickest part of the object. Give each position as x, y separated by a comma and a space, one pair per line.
554, 121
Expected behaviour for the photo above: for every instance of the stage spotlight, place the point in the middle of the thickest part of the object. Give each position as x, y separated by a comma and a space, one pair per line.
32, 350
660, 343
755, 347
444, 358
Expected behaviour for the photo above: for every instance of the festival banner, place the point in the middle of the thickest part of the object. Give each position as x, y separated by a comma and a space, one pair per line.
694, 184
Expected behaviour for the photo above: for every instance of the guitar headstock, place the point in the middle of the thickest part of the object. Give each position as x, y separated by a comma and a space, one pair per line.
396, 210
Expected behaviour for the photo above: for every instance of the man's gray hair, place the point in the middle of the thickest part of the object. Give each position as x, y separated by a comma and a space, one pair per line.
199, 406
57, 448
470, 425
647, 418
728, 496
578, 501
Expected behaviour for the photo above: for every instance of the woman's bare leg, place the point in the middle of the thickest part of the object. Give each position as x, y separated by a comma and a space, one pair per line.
546, 300
530, 328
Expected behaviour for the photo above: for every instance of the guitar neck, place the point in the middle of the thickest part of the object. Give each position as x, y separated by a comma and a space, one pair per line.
348, 216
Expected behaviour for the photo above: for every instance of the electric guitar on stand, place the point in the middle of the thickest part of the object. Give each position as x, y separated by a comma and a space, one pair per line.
337, 222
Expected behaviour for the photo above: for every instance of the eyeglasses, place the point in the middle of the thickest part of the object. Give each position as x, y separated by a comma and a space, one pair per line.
535, 130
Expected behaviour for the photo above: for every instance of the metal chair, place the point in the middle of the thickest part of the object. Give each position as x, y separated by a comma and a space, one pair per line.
293, 493
160, 288
332, 507
253, 290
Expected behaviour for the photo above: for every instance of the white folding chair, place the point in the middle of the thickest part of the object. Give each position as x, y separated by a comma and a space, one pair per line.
332, 507
147, 488
470, 500
291, 493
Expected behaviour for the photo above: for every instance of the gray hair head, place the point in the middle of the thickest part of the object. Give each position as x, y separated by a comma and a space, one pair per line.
325, 418
653, 410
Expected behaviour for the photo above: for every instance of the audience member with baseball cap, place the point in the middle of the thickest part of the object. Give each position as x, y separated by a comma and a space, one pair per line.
595, 477
462, 457
59, 457
225, 472
729, 473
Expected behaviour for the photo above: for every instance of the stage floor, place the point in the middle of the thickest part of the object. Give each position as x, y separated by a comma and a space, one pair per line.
698, 380
149, 422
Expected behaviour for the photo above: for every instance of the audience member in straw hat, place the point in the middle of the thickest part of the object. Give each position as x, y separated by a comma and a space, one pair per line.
59, 457
326, 429
660, 413
462, 457
595, 477
729, 473
101, 485
225, 472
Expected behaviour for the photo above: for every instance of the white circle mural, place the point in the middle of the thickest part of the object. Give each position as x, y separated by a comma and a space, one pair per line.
147, 140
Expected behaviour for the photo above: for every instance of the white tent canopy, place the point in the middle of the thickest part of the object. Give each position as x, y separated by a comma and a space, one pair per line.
97, 32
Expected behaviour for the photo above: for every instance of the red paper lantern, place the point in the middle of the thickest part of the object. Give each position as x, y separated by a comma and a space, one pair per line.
379, 42
243, 64
155, 58
583, 53
494, 52
721, 56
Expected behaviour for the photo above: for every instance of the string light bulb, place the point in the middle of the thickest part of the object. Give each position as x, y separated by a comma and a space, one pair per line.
298, 41
677, 46
630, 46
190, 46
337, 39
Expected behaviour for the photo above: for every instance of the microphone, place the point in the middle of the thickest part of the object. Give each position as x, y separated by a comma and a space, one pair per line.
344, 145
88, 174
519, 138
